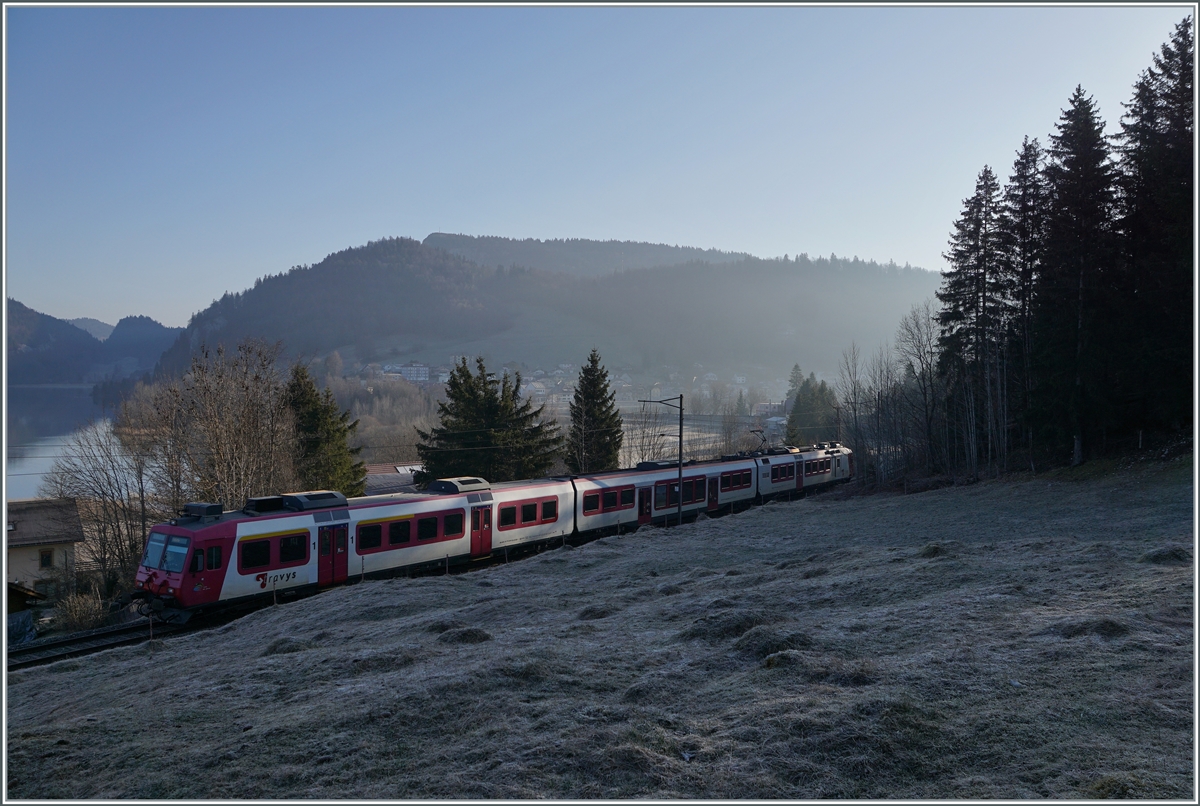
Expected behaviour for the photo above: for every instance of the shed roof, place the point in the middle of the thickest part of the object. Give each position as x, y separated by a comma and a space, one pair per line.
42, 521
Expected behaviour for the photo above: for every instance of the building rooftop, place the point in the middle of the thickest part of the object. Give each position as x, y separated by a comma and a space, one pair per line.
39, 521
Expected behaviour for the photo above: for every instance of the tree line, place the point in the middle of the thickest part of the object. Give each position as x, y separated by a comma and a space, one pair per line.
1063, 327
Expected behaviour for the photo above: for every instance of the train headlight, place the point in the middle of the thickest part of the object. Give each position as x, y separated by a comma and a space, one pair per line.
170, 590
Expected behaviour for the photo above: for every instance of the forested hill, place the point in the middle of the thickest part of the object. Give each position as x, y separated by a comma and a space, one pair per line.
397, 300
390, 287
44, 349
576, 256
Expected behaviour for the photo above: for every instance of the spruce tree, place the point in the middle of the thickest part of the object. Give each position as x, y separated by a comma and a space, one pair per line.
594, 438
324, 458
1076, 288
813, 417
1022, 240
1155, 222
975, 300
486, 430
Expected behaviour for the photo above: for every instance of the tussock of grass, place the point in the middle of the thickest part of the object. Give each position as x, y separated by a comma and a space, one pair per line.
722, 626
1103, 627
442, 625
1168, 555
761, 641
284, 646
465, 635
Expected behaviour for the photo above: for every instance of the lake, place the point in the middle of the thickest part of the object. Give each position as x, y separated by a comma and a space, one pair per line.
41, 420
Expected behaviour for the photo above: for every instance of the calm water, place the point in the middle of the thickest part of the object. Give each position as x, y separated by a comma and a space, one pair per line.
41, 420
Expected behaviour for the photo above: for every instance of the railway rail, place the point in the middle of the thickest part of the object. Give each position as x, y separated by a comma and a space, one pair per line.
87, 642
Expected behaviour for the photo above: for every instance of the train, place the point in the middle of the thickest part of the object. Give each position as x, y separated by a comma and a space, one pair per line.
298, 543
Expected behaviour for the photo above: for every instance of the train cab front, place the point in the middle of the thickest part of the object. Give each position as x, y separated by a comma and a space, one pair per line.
158, 585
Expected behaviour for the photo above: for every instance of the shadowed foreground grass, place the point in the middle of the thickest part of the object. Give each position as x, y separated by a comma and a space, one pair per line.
1027, 638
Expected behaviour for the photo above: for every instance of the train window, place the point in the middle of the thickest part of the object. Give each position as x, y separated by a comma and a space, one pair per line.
591, 502
369, 537
508, 516
610, 499
197, 561
672, 494
177, 553
724, 483
550, 510
426, 528
256, 554
745, 478
452, 525
627, 497
152, 557
660, 496
293, 548
398, 532
529, 513
214, 558
775, 473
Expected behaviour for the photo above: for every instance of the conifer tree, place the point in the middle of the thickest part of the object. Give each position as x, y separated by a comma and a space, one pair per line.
486, 430
1022, 240
813, 417
594, 438
1076, 285
742, 408
1155, 223
975, 300
324, 458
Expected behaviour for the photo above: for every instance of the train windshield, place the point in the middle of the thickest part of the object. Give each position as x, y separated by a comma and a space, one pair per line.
154, 550
166, 553
176, 558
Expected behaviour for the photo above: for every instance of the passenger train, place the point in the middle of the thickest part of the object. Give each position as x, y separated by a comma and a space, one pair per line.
286, 545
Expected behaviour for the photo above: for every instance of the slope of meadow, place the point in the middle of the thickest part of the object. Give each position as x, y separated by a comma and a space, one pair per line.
1023, 638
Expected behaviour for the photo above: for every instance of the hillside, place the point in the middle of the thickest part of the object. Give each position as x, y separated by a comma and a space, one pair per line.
575, 256
100, 330
1008, 640
356, 297
397, 300
45, 349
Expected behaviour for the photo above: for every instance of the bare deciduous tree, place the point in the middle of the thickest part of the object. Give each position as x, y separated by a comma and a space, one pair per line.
109, 487
241, 434
644, 440
917, 347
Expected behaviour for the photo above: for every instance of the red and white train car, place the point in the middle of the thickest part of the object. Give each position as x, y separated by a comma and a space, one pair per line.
305, 541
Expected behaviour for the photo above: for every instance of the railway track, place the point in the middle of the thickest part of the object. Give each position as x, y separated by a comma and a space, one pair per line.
85, 643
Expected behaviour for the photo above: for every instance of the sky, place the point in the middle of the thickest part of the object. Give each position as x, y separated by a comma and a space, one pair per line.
157, 158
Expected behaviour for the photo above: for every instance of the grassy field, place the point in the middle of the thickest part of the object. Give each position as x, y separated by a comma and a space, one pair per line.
1024, 638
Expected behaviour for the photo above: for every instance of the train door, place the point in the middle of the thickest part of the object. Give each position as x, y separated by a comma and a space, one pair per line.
481, 531
332, 554
798, 465
714, 492
644, 505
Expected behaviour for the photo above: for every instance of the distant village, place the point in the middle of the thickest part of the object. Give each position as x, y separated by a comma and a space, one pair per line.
707, 393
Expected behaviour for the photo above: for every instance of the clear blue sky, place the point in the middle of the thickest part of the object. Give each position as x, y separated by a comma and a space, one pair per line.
159, 157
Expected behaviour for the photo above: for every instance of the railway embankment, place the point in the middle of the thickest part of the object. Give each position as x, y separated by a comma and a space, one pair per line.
1030, 637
